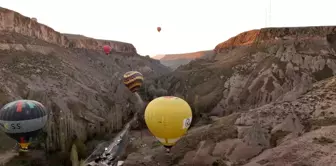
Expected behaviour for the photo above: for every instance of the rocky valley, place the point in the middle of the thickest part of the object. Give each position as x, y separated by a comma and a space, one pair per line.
265, 97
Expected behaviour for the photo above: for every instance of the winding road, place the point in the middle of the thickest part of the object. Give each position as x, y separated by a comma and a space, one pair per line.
107, 154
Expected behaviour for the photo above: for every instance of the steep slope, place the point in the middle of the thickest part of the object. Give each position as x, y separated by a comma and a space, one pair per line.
175, 60
80, 86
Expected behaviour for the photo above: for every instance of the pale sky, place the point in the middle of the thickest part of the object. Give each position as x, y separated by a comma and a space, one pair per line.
187, 25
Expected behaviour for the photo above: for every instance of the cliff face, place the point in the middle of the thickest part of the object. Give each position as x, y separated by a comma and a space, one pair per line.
80, 86
269, 35
15, 22
245, 38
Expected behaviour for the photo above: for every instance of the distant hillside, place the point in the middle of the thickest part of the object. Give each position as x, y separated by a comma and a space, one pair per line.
158, 57
175, 60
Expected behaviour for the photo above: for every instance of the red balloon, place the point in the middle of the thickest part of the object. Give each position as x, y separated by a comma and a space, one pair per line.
159, 29
107, 49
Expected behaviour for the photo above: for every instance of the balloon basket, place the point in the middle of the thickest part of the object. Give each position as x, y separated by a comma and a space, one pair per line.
22, 152
167, 150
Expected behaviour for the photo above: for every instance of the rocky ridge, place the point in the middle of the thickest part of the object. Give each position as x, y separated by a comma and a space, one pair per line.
15, 22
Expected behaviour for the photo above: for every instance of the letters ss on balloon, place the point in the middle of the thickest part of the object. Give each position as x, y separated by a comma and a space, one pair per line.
15, 126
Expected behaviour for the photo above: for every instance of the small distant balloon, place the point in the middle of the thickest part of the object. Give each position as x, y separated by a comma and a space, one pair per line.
133, 80
34, 19
22, 120
158, 29
107, 49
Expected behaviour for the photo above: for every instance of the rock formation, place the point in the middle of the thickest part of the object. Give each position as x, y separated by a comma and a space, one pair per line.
80, 86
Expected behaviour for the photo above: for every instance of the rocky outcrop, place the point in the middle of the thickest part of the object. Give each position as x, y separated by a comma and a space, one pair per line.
12, 21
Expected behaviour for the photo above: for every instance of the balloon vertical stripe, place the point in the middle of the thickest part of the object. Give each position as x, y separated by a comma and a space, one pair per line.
30, 104
19, 107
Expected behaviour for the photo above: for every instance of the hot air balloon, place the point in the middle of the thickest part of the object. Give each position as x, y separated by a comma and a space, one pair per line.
168, 119
133, 80
22, 120
158, 29
107, 49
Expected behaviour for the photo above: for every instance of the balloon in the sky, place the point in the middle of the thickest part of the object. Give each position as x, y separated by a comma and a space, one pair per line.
22, 120
168, 119
133, 80
107, 49
158, 29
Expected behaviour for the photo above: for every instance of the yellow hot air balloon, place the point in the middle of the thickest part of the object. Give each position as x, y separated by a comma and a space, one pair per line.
168, 119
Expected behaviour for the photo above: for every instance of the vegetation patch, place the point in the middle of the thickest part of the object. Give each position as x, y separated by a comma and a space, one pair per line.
81, 149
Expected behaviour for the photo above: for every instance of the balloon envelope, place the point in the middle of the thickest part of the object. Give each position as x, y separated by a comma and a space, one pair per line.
158, 29
107, 49
168, 119
22, 120
133, 80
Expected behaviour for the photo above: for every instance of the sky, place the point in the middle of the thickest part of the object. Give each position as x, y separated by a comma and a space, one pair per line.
187, 25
